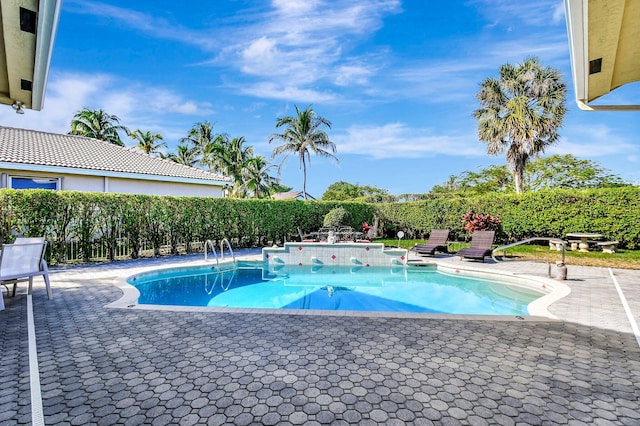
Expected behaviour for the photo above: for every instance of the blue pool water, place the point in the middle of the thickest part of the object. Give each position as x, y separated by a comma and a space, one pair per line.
395, 289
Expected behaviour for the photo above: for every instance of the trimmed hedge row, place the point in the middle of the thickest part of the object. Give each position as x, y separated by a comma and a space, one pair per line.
612, 212
99, 218
91, 219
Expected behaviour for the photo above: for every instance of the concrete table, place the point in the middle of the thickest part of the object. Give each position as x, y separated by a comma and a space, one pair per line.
583, 245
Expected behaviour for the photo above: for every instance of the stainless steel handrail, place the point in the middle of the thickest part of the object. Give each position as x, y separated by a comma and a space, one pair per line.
233, 256
528, 240
207, 244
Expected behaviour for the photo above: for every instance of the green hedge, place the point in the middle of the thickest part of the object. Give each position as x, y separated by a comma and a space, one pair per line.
117, 222
110, 220
612, 212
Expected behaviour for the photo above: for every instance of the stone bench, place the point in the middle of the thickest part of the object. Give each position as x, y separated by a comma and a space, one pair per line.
607, 246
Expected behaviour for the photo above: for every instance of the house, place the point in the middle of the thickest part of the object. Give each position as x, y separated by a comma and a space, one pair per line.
299, 195
33, 159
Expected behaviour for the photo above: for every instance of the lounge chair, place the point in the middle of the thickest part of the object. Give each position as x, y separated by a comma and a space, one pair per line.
23, 260
481, 243
437, 242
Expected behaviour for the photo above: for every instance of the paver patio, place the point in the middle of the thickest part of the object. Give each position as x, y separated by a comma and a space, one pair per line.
133, 366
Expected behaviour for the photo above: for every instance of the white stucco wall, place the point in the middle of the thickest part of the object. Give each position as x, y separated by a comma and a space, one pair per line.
131, 186
74, 182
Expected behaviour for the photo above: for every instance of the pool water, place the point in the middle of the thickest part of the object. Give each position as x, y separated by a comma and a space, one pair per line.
386, 289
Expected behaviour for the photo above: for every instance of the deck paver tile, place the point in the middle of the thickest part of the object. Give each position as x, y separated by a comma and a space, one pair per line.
130, 366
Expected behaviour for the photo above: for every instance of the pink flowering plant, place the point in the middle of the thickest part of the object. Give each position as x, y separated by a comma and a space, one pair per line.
480, 222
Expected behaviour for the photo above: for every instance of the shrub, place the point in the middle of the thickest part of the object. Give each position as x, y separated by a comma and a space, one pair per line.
336, 217
480, 222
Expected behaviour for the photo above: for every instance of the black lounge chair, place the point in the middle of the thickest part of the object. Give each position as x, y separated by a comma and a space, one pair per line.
437, 242
481, 243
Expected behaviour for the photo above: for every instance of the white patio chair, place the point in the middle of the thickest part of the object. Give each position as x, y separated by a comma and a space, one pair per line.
23, 260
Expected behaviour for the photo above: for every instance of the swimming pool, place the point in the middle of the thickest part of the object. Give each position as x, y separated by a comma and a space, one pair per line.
343, 288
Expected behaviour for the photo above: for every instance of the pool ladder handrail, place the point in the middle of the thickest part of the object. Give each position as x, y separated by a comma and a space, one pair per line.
233, 256
207, 244
528, 240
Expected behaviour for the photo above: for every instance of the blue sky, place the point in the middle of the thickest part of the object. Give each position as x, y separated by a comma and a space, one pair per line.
397, 79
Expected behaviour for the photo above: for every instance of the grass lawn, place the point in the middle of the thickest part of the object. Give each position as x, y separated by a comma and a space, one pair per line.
625, 259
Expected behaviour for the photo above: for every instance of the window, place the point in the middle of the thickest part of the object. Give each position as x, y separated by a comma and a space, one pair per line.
34, 183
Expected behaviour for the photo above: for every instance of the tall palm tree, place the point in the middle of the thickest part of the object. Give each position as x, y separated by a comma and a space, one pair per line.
302, 136
184, 154
147, 141
235, 157
256, 177
97, 124
521, 113
201, 137
230, 157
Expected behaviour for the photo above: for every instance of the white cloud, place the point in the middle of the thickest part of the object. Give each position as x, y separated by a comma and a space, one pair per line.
294, 7
593, 141
509, 12
347, 75
396, 140
558, 13
260, 51
140, 21
286, 93
137, 105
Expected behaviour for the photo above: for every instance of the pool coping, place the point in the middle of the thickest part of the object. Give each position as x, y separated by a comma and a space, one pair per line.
538, 309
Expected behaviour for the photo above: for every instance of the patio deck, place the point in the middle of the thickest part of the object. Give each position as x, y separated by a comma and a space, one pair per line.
132, 366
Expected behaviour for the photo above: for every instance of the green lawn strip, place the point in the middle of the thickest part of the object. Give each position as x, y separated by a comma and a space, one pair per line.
624, 259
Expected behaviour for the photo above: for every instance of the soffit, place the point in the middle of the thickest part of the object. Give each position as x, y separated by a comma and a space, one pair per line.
25, 50
604, 37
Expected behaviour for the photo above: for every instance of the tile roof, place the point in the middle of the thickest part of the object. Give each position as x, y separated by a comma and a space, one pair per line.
79, 152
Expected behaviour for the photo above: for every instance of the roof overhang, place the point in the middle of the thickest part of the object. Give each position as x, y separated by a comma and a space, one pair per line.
604, 42
28, 31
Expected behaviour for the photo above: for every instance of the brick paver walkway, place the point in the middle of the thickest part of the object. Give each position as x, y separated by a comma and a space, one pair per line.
132, 366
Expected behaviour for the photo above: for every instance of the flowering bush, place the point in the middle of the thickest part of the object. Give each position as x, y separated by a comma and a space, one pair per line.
480, 222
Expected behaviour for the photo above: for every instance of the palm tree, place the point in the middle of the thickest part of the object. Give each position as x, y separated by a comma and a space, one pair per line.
256, 177
201, 137
231, 157
147, 141
97, 124
234, 157
185, 154
303, 135
521, 113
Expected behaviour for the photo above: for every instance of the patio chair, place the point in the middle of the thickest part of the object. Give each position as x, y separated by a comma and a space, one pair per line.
306, 238
21, 261
481, 243
346, 233
323, 233
437, 242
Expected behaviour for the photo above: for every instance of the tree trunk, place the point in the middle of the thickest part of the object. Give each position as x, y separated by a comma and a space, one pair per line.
518, 172
304, 179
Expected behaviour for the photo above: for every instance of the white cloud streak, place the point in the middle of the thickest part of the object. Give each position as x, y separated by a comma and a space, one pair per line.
396, 140
595, 141
137, 105
532, 13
